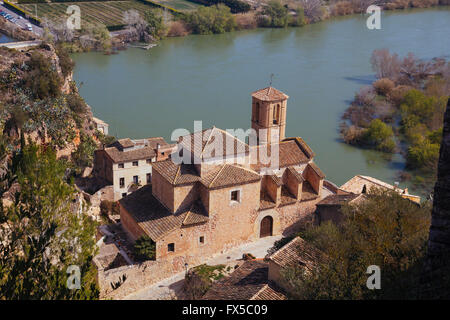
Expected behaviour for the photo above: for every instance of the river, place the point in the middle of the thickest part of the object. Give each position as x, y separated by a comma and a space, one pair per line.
4, 38
149, 93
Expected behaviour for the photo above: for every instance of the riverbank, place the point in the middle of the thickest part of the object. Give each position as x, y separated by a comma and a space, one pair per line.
210, 78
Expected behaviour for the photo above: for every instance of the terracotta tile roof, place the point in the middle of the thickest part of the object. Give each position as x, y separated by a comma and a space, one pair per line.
212, 143
316, 169
155, 219
195, 215
125, 143
298, 252
269, 94
230, 175
338, 199
297, 175
247, 282
177, 174
220, 177
117, 154
276, 179
303, 145
290, 154
269, 292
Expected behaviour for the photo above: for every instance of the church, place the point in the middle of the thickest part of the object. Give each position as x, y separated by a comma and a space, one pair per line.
222, 194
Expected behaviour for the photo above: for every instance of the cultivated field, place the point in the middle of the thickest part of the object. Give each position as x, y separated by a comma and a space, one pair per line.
109, 13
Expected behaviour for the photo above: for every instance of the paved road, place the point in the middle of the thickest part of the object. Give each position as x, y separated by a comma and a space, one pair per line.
21, 21
21, 44
172, 287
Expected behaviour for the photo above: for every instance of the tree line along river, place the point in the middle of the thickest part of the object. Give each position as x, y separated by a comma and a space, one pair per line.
144, 93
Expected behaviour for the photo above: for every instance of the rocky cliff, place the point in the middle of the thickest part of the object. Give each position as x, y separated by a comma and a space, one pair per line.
436, 275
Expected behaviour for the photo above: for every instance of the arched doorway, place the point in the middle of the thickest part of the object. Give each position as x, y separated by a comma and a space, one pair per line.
266, 227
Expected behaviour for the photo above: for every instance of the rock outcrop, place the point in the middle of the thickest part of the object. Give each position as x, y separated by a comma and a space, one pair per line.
436, 274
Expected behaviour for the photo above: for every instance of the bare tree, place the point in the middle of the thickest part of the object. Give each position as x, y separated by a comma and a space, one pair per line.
137, 25
312, 8
385, 64
58, 31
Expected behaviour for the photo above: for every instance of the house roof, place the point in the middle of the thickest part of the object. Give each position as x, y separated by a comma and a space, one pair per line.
219, 177
297, 252
297, 175
291, 153
155, 219
269, 94
146, 148
316, 169
247, 282
213, 143
338, 199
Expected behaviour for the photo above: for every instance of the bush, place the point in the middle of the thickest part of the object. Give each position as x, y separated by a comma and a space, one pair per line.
145, 248
207, 20
76, 103
83, 156
423, 154
274, 15
397, 95
65, 61
42, 78
380, 136
177, 29
384, 86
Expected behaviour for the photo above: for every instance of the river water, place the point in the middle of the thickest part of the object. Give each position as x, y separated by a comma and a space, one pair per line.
4, 38
149, 93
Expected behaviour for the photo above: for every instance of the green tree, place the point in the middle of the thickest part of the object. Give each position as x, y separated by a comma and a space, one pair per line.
379, 135
145, 248
208, 20
156, 27
41, 233
384, 230
275, 15
83, 156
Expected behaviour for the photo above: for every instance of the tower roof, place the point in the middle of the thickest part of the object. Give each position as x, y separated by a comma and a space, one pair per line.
269, 94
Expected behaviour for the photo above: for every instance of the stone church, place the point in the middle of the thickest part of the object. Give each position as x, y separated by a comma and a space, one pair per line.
225, 196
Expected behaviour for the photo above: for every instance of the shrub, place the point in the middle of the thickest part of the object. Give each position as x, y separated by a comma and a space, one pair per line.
76, 103
42, 78
384, 86
145, 248
274, 15
423, 154
397, 94
177, 29
83, 156
379, 135
214, 19
246, 21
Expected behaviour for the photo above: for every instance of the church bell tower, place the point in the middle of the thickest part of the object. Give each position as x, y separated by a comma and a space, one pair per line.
269, 115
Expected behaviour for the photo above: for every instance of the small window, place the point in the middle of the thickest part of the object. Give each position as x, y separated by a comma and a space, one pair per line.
149, 161
124, 195
149, 178
201, 239
235, 196
171, 247
162, 153
121, 165
135, 163
135, 179
122, 182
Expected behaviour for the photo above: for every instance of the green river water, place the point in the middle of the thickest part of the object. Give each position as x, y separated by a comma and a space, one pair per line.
144, 93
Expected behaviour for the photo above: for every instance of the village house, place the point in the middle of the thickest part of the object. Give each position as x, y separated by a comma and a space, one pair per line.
263, 279
195, 209
353, 191
127, 164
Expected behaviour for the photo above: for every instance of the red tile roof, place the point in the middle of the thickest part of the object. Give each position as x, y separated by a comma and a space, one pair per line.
155, 219
146, 149
298, 252
248, 282
269, 94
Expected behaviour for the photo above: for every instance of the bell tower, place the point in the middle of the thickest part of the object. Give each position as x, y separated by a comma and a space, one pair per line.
269, 115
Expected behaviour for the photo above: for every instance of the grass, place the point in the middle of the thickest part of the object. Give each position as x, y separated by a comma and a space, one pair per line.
109, 13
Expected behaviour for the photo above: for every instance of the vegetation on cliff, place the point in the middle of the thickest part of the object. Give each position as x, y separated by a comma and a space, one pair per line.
46, 136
